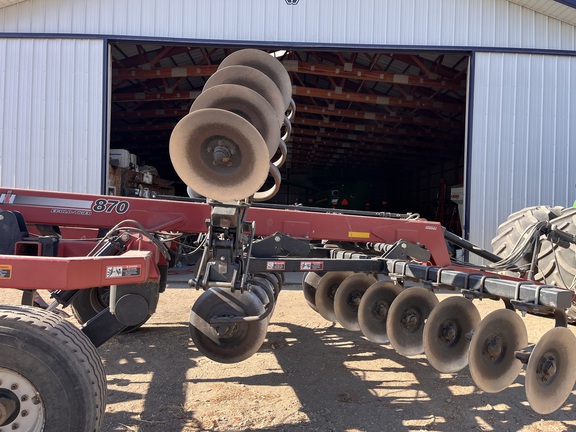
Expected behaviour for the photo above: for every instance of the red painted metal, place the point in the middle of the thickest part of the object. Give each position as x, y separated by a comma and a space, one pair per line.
55, 273
98, 211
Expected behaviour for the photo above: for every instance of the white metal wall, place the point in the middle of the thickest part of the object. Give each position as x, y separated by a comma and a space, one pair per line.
51, 102
462, 23
523, 148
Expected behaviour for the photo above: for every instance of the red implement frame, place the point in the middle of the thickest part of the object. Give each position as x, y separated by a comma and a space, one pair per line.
32, 272
98, 211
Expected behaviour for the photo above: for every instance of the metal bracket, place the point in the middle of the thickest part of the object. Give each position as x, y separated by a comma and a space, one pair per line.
524, 354
404, 250
280, 244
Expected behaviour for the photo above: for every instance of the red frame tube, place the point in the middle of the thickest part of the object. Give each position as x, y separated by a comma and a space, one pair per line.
100, 211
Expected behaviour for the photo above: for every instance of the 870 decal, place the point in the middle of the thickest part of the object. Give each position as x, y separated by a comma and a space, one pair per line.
110, 206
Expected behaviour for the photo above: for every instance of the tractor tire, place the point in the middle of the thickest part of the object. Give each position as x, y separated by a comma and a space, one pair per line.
510, 231
557, 261
51, 376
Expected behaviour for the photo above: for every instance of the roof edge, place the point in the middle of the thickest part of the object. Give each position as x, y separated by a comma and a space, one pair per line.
569, 3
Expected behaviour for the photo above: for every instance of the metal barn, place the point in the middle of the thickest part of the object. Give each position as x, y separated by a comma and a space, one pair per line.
402, 99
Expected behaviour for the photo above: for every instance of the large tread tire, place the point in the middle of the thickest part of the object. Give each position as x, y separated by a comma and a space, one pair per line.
557, 261
60, 362
510, 231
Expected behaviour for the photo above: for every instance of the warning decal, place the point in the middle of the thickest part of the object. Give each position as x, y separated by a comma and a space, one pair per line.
5, 271
275, 265
123, 271
311, 265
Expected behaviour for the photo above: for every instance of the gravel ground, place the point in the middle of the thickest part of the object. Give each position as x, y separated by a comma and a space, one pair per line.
310, 375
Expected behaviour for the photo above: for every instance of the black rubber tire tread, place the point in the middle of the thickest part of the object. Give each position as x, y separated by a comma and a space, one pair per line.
348, 298
557, 261
512, 228
60, 361
85, 306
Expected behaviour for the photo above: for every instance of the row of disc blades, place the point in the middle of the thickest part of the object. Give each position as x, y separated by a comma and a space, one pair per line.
235, 134
450, 333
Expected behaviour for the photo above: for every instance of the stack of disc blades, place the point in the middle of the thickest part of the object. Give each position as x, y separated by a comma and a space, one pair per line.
235, 134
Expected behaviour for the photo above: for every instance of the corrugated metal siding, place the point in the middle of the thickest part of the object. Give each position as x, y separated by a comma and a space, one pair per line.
51, 101
524, 137
4, 3
487, 23
550, 8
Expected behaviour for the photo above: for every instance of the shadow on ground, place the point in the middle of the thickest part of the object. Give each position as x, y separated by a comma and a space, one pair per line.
341, 382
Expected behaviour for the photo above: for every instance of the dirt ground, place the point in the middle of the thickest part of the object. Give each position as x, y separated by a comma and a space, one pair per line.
309, 375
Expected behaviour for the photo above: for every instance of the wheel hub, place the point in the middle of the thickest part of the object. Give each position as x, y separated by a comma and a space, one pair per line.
355, 300
380, 311
411, 320
9, 406
547, 368
493, 349
21, 408
332, 291
222, 150
448, 332
226, 331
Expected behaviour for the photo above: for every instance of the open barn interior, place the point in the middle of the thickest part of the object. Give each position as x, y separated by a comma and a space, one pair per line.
373, 130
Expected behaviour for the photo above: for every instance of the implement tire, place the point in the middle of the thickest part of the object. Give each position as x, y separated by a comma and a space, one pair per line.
51, 372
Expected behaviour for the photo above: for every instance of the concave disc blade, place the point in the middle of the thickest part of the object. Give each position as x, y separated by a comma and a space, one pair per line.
253, 79
374, 308
491, 359
227, 343
234, 173
347, 299
325, 292
247, 104
266, 63
406, 318
551, 370
445, 342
